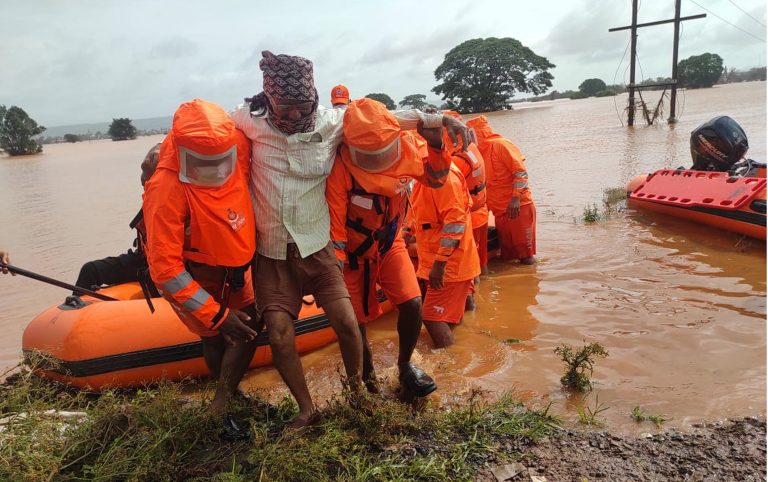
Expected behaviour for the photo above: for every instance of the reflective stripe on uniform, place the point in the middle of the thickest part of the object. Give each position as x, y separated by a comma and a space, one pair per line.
449, 243
521, 174
521, 185
197, 300
339, 244
177, 283
454, 228
472, 157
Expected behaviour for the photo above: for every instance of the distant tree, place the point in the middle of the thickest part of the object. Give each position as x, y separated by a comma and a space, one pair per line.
71, 138
384, 99
17, 130
121, 129
700, 70
605, 93
482, 75
591, 87
417, 101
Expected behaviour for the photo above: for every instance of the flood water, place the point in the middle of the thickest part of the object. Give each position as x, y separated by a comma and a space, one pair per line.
680, 308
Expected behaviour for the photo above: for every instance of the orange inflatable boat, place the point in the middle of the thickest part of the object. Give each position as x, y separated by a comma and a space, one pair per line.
100, 344
735, 204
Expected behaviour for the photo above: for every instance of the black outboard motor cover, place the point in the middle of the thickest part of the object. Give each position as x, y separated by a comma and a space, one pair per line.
718, 144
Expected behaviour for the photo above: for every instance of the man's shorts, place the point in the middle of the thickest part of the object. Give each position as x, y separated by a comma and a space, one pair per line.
394, 273
211, 279
282, 283
517, 237
481, 241
447, 303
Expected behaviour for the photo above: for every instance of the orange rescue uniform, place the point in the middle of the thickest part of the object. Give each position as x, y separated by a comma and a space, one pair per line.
443, 229
507, 178
367, 210
201, 239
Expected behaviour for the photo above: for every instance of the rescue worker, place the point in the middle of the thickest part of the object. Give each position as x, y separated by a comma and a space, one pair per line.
367, 199
472, 167
201, 237
294, 143
339, 96
448, 259
509, 197
129, 266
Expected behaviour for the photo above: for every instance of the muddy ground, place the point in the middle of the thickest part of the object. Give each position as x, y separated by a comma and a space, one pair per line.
725, 451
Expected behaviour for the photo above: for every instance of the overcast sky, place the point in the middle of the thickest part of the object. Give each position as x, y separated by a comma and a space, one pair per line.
79, 61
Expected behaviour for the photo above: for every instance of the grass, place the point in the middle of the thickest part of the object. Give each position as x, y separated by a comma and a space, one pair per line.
154, 434
579, 364
589, 415
641, 416
613, 203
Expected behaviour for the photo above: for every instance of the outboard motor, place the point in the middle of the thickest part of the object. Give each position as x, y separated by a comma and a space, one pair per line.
718, 144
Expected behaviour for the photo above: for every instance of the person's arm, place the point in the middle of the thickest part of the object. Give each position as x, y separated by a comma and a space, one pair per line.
415, 119
336, 188
514, 160
453, 215
5, 258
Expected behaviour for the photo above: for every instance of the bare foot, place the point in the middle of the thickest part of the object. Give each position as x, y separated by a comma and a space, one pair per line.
528, 261
303, 421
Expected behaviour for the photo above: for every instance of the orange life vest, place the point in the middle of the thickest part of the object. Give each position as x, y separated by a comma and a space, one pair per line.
472, 166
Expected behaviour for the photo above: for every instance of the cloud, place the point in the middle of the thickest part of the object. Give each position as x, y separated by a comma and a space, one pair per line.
173, 48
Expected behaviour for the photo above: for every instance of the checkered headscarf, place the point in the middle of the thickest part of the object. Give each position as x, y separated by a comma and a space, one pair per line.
288, 77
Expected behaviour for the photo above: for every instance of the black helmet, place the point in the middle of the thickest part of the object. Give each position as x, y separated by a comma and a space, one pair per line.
717, 144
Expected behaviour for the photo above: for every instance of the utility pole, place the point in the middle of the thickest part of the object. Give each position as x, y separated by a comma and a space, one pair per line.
633, 56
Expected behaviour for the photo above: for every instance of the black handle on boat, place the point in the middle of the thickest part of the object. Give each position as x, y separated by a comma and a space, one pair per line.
55, 282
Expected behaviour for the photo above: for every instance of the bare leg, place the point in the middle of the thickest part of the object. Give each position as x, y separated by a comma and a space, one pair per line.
369, 374
342, 318
213, 352
234, 363
441, 333
282, 340
408, 330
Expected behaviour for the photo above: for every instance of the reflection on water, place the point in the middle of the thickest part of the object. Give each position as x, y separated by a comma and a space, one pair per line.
680, 309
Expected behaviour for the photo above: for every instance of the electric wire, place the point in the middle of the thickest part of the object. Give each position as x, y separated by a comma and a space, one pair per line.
726, 21
747, 13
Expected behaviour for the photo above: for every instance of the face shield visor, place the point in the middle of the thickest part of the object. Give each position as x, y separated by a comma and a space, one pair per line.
206, 170
379, 160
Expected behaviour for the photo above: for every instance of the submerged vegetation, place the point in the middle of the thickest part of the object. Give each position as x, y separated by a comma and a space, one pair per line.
613, 203
641, 416
579, 364
51, 433
589, 415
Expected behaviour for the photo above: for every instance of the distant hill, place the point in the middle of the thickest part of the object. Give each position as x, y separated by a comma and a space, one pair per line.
152, 123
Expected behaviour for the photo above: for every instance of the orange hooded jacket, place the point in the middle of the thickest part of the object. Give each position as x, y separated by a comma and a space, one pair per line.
504, 166
214, 226
367, 208
443, 228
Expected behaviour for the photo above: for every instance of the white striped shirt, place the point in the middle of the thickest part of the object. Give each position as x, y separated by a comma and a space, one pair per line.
288, 175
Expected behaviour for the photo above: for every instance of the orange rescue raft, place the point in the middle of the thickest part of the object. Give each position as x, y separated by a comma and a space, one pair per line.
106, 344
711, 198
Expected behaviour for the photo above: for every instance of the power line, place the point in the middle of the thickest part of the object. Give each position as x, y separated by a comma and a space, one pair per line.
747, 13
726, 21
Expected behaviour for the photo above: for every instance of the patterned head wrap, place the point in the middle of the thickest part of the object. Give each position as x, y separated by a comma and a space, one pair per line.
288, 77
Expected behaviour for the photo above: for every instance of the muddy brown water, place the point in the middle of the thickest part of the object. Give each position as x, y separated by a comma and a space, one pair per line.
680, 308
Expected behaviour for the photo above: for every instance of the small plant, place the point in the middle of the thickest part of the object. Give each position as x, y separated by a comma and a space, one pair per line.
614, 195
591, 214
588, 415
579, 364
641, 416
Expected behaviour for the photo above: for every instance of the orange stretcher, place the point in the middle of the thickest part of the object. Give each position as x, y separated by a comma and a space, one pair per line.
715, 199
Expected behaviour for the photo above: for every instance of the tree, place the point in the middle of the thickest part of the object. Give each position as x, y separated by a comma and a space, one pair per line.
416, 101
591, 87
384, 99
71, 138
121, 129
700, 70
17, 130
481, 75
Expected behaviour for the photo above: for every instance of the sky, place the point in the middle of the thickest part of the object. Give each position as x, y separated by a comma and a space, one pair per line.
83, 61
